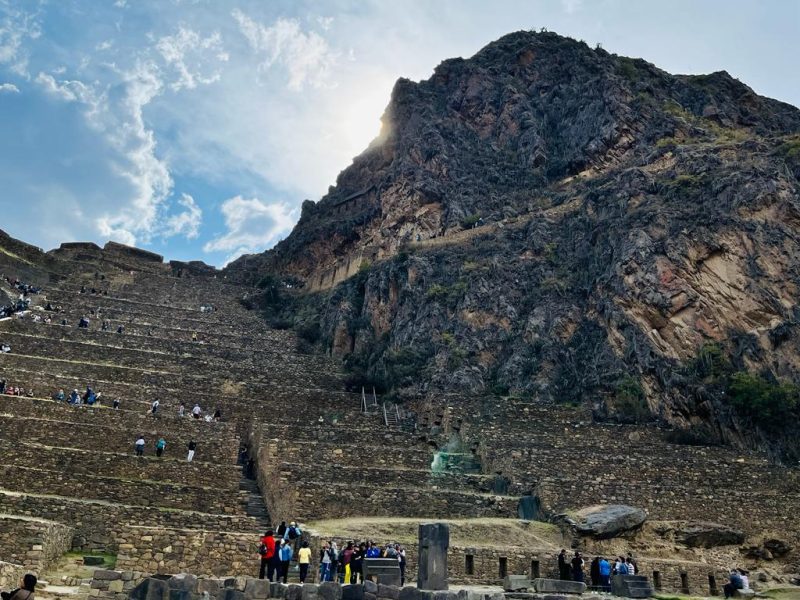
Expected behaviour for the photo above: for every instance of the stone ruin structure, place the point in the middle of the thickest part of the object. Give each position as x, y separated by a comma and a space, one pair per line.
522, 481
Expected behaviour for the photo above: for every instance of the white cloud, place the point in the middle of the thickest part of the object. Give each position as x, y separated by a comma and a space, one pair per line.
306, 56
15, 27
252, 226
186, 52
8, 88
104, 45
572, 6
68, 90
186, 223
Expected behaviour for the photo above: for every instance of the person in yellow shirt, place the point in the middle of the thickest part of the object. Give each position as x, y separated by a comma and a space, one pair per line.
304, 560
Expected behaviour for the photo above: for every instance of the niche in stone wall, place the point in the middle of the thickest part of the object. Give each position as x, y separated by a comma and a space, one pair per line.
469, 564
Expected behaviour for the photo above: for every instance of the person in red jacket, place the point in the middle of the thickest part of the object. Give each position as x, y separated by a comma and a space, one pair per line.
266, 550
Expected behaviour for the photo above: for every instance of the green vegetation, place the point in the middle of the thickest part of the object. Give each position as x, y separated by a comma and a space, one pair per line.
767, 403
470, 221
630, 400
790, 149
449, 294
627, 68
365, 266
770, 405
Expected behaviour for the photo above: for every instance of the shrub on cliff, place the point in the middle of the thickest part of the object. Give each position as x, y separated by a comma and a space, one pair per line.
770, 405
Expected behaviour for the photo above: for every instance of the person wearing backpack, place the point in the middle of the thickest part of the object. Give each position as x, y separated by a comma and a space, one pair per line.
266, 550
161, 444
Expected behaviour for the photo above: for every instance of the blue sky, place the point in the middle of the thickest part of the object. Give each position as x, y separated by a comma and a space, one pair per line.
196, 128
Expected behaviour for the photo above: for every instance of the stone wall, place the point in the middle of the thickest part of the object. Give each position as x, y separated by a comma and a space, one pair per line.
33, 543
114, 585
10, 575
97, 525
208, 553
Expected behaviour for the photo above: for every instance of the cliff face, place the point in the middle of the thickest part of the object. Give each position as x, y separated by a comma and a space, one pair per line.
549, 220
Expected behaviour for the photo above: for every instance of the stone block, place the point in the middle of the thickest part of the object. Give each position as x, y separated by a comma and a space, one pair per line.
208, 586
370, 587
369, 596
183, 581
116, 586
126, 576
294, 592
445, 595
150, 589
557, 586
516, 583
106, 575
434, 540
179, 594
309, 591
257, 589
329, 590
232, 594
352, 592
277, 590
388, 592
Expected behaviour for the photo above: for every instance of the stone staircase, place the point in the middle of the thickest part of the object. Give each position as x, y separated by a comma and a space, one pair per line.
255, 504
631, 586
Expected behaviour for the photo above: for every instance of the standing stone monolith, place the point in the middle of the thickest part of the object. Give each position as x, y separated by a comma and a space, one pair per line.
434, 540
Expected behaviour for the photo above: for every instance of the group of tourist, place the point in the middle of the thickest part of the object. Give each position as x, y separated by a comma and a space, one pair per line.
24, 288
197, 413
343, 565
23, 302
11, 390
600, 569
738, 580
161, 446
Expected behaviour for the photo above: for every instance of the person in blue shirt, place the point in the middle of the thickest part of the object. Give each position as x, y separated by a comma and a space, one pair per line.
285, 554
605, 575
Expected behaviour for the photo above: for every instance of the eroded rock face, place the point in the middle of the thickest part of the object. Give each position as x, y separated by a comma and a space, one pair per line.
548, 220
708, 535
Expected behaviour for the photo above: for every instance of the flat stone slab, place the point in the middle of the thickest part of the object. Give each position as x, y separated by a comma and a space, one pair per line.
557, 586
516, 583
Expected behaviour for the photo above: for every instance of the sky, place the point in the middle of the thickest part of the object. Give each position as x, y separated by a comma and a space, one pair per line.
196, 128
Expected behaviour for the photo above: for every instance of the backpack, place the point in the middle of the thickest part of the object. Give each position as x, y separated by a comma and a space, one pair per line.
292, 532
262, 549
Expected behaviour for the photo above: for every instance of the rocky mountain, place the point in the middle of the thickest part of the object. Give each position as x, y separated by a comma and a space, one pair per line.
552, 221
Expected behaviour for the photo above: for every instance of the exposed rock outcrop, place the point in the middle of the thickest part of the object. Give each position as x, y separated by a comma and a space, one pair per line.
549, 220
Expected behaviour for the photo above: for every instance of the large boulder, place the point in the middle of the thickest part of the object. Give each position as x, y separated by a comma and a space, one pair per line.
708, 535
605, 521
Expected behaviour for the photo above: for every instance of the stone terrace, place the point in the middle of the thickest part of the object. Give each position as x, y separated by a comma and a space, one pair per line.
74, 465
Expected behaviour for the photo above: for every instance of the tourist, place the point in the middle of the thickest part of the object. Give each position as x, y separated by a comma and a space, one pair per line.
182, 410
346, 559
745, 579
401, 557
197, 412
192, 448
59, 396
161, 444
620, 567
83, 323
120, 329
5, 348
116, 403
25, 590
266, 550
594, 572
292, 532
74, 398
563, 566
304, 560
605, 575
282, 527
324, 562
633, 568
630, 565
577, 567
154, 406
217, 415
735, 583
334, 572
372, 551
285, 553
357, 564
389, 551
2, 386
139, 445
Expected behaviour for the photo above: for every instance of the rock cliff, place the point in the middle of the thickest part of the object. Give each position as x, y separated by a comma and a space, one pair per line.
549, 220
